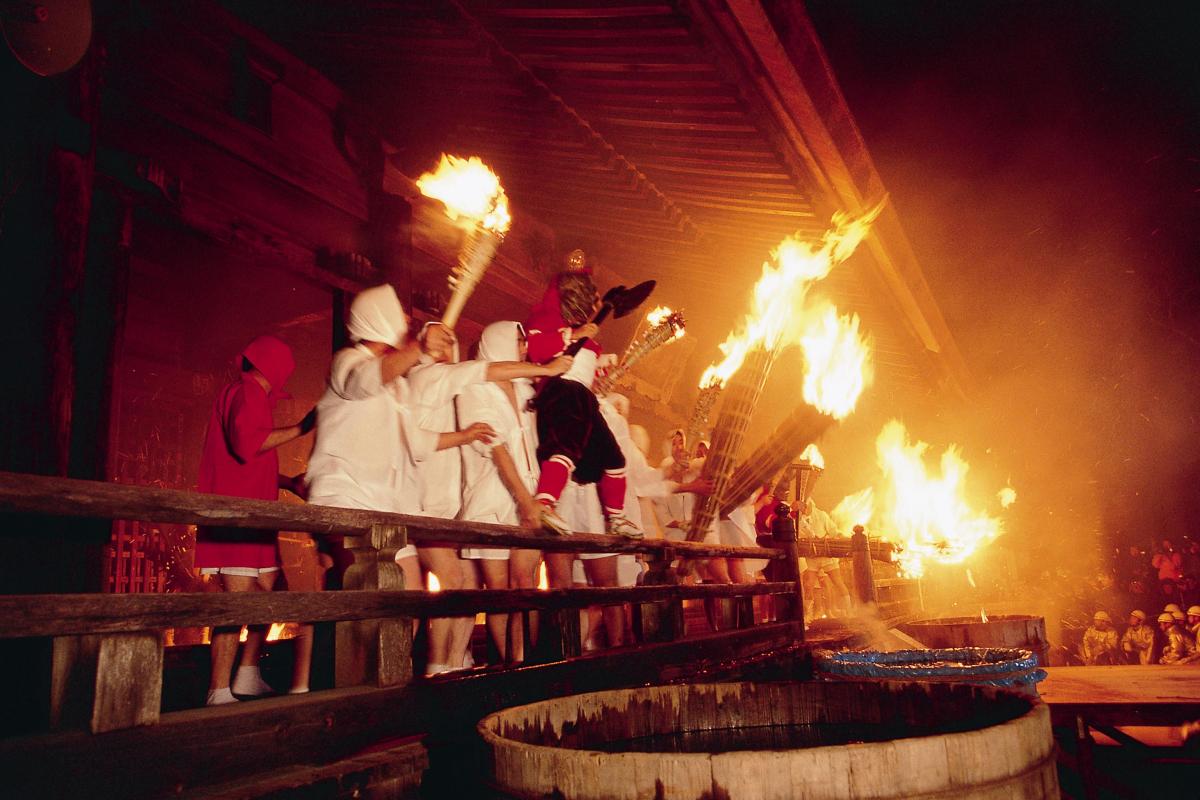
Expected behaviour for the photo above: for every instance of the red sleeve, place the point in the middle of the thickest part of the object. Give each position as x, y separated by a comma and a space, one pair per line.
247, 421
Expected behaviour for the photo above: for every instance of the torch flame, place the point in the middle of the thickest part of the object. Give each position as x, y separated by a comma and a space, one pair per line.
837, 363
470, 191
661, 314
813, 456
928, 517
778, 300
854, 510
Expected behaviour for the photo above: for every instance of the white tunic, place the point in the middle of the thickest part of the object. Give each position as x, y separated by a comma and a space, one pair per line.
368, 444
434, 387
485, 497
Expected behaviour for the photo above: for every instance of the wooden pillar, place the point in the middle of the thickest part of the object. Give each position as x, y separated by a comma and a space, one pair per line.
662, 620
377, 652
106, 682
864, 579
559, 636
783, 531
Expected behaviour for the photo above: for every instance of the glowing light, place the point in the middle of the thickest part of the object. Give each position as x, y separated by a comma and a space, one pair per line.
983, 615
662, 314
853, 510
813, 456
470, 191
971, 579
1007, 495
432, 583
837, 363
927, 517
779, 298
543, 577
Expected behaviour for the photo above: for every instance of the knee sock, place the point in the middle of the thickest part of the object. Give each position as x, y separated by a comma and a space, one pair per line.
556, 470
611, 489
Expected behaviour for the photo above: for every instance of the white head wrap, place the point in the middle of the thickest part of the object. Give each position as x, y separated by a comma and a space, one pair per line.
498, 342
377, 316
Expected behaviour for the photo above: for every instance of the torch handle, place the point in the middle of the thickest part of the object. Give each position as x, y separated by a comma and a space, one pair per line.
578, 344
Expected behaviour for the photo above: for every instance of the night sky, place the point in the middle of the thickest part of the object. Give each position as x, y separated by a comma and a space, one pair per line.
1045, 161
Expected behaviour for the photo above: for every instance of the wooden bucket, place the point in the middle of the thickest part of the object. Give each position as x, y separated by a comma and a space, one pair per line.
918, 741
1006, 630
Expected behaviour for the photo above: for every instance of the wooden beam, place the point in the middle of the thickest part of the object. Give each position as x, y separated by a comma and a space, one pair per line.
188, 750
66, 497
78, 614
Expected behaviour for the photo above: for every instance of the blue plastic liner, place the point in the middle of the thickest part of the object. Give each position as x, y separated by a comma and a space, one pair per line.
983, 666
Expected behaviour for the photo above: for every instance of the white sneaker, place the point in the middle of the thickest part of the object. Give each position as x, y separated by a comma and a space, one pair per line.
552, 522
619, 525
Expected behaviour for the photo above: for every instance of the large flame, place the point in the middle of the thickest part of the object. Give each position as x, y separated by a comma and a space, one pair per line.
854, 509
837, 362
471, 192
779, 308
927, 516
813, 456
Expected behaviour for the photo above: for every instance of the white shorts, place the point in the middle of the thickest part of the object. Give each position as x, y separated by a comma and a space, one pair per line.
341, 501
823, 565
485, 553
245, 572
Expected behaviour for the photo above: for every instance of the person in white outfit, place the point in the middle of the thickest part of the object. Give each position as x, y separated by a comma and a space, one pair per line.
434, 387
823, 573
499, 479
369, 443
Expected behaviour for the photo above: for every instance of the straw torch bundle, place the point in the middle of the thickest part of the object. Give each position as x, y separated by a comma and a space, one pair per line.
474, 200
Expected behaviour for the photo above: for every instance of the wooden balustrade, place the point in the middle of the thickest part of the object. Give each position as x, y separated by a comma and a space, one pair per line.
108, 648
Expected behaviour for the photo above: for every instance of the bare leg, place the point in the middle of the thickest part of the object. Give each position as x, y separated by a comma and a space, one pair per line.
495, 576
839, 594
603, 572
255, 634
522, 574
445, 648
410, 568
811, 586
738, 573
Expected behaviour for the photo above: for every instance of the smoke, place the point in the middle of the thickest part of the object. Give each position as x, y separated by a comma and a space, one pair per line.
1045, 166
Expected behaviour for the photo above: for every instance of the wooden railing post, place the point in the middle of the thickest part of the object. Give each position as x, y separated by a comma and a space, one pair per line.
375, 651
106, 682
864, 577
661, 620
783, 531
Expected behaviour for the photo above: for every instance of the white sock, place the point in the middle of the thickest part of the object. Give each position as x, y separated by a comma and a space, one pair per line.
298, 690
219, 697
436, 669
468, 660
248, 681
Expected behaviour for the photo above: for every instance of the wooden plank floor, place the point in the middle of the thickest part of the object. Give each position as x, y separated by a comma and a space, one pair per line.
1124, 695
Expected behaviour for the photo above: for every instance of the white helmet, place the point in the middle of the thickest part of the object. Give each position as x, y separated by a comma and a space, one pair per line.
1139, 614
1165, 617
1171, 608
1194, 611
1101, 615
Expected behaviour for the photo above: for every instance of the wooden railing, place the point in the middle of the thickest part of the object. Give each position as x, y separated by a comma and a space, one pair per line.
108, 648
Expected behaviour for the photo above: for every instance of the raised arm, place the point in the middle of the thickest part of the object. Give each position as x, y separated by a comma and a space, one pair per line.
510, 370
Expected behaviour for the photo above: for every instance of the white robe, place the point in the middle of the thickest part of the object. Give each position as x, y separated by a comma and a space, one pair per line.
485, 497
434, 387
368, 443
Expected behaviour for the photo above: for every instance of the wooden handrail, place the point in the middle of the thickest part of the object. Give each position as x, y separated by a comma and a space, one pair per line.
38, 494
76, 614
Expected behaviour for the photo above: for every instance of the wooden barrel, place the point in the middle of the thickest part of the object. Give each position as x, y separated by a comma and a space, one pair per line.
1005, 630
906, 740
